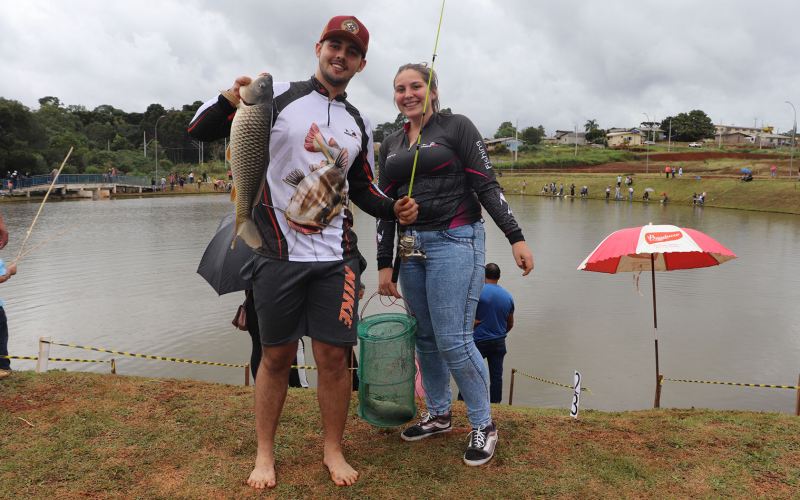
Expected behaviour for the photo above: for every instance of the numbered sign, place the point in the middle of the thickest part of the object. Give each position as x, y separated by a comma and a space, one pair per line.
576, 397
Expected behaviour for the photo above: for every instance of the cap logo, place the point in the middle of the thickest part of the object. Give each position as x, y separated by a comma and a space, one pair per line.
350, 25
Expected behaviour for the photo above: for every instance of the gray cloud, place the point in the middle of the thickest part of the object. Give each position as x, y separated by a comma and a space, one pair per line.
556, 63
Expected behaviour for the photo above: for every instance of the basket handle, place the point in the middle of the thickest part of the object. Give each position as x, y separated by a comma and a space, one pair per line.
392, 302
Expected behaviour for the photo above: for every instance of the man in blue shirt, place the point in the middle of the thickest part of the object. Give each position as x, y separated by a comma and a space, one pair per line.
493, 320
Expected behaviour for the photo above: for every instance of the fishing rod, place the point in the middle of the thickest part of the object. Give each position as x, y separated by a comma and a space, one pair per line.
406, 246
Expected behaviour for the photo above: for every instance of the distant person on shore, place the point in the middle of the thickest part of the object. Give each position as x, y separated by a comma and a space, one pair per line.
667, 171
230, 175
524, 185
163, 183
673, 172
694, 198
619, 180
572, 190
680, 172
665, 199
153, 184
617, 194
630, 193
646, 196
561, 191
181, 180
702, 198
608, 192
171, 181
544, 189
5, 274
585, 191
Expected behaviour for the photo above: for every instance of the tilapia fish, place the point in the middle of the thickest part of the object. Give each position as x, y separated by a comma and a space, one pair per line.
320, 195
249, 152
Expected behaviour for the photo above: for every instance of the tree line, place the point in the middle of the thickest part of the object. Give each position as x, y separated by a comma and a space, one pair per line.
36, 141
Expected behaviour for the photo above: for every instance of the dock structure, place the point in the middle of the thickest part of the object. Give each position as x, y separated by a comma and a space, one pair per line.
93, 186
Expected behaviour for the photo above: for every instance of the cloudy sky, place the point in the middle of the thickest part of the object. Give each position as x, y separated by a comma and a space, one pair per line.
557, 64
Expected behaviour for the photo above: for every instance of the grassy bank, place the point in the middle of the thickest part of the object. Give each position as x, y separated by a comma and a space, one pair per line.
763, 195
84, 435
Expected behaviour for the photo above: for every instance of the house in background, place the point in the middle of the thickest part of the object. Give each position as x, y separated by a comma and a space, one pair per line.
569, 137
510, 143
630, 137
724, 129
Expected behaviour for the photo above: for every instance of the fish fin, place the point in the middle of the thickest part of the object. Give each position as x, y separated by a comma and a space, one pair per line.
310, 144
249, 233
314, 166
257, 197
341, 158
332, 143
233, 193
294, 178
228, 153
231, 97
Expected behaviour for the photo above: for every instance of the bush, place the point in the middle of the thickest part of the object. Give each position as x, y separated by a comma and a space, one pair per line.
500, 148
92, 169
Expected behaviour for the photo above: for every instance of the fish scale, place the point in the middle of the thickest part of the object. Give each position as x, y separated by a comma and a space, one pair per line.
249, 152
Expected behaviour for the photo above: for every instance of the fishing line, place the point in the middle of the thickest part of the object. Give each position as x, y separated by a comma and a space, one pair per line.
425, 104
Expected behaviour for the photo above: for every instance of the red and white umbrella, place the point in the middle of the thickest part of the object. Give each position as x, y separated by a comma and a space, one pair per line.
655, 248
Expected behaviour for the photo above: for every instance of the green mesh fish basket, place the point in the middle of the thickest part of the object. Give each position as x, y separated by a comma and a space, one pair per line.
386, 369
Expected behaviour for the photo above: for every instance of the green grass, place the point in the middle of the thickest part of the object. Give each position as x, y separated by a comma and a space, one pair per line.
723, 191
110, 436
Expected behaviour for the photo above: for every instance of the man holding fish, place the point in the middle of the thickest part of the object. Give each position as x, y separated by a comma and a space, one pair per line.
299, 151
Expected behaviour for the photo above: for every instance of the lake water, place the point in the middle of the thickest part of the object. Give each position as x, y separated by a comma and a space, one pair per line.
126, 281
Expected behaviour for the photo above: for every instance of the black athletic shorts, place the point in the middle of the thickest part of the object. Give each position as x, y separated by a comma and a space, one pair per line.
314, 299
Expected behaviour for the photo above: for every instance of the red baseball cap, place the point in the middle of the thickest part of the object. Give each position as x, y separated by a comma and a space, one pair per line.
348, 27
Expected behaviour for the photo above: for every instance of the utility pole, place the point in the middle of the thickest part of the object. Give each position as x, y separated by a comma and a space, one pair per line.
720, 134
516, 141
576, 140
794, 131
144, 141
669, 139
647, 165
156, 139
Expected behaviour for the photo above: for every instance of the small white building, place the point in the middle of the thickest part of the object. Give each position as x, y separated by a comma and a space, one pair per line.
569, 137
628, 138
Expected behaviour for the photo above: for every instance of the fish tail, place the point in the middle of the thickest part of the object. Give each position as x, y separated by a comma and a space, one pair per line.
233, 193
249, 233
231, 97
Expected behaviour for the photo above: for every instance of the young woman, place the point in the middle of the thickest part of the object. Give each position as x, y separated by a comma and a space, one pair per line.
453, 180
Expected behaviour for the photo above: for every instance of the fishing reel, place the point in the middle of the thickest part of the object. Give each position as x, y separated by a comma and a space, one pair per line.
406, 248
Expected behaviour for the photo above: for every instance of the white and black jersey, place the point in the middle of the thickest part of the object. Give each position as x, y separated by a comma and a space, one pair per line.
304, 118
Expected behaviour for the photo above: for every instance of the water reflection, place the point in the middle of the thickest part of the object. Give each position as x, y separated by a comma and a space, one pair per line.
127, 282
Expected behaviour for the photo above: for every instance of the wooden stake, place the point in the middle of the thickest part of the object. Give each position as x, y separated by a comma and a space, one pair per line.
113, 367
511, 392
660, 380
247, 374
42, 205
797, 405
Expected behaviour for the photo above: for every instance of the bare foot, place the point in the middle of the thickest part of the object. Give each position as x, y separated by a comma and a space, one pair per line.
341, 472
263, 475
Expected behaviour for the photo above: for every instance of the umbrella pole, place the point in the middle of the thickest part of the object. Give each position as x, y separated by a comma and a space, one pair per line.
657, 402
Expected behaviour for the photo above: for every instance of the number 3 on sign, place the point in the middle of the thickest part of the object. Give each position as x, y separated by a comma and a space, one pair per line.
576, 398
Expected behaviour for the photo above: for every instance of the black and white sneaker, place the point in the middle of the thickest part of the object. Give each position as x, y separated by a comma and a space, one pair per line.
481, 445
429, 425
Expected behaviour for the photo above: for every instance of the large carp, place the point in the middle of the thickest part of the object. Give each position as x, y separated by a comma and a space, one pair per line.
249, 152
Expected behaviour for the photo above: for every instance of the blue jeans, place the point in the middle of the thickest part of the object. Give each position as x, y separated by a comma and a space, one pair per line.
443, 291
5, 363
494, 351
